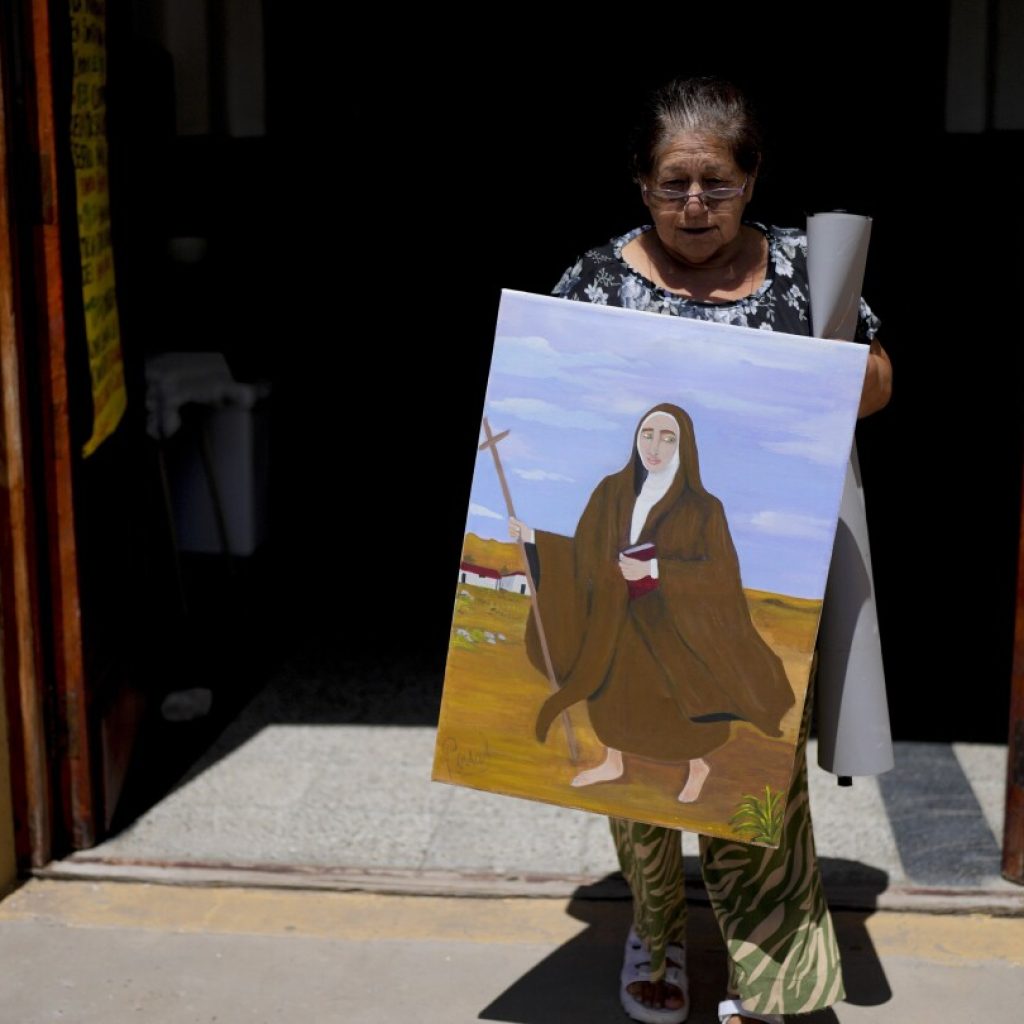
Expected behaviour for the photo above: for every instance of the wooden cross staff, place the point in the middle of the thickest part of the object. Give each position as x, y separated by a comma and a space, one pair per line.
492, 443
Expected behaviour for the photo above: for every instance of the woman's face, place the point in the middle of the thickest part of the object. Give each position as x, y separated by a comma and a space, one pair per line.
697, 233
657, 442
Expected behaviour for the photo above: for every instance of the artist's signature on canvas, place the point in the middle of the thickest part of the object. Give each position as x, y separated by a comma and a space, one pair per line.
465, 758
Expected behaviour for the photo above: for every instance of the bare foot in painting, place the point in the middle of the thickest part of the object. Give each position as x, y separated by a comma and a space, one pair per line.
699, 772
608, 770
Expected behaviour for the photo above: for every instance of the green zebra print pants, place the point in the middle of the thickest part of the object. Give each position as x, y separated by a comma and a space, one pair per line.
769, 904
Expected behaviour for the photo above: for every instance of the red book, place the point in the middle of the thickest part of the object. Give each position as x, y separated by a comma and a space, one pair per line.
643, 552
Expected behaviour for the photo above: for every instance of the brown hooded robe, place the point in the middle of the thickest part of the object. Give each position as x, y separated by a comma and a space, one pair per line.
663, 674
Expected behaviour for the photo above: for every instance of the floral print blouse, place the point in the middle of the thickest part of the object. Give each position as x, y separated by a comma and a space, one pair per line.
782, 303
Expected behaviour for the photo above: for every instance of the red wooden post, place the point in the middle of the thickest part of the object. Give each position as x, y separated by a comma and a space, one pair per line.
20, 653
69, 663
1013, 834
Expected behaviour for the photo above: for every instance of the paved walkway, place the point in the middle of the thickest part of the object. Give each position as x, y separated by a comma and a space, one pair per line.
108, 953
322, 785
310, 777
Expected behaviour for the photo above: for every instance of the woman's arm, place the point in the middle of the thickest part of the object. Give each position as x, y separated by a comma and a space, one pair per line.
877, 381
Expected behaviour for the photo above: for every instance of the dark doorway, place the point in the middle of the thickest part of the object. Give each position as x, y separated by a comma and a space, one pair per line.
386, 197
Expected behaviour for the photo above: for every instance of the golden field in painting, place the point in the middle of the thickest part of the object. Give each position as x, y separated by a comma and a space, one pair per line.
492, 695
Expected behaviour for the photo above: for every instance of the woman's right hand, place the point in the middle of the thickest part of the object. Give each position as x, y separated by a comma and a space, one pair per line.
518, 530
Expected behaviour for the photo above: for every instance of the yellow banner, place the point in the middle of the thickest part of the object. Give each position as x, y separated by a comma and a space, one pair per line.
89, 150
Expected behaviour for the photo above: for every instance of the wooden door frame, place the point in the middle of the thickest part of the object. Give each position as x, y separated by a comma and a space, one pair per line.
19, 600
52, 762
1013, 831
76, 762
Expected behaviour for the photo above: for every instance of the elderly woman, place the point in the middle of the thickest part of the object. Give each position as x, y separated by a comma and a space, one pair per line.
696, 158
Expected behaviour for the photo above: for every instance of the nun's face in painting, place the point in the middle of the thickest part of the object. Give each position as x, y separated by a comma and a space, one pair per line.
657, 442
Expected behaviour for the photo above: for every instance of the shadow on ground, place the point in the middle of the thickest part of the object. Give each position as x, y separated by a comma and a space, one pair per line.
315, 682
579, 981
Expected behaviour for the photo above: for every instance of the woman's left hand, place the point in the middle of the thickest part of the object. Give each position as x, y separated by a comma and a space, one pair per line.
633, 568
877, 381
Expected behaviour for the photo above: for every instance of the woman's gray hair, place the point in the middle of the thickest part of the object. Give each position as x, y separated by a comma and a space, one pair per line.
710, 106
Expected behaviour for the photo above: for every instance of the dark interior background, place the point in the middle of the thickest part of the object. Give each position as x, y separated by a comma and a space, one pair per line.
413, 166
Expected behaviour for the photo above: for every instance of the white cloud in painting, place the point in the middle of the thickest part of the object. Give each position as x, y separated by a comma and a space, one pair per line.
775, 352
790, 524
537, 357
536, 410
476, 509
514, 447
542, 474
743, 406
620, 402
606, 373
823, 439
632, 403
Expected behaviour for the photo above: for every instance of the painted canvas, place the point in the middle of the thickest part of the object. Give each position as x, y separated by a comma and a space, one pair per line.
650, 526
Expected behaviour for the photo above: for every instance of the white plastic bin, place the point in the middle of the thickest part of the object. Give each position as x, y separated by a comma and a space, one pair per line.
193, 401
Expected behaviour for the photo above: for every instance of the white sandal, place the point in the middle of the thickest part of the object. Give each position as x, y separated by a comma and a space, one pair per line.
732, 1007
636, 966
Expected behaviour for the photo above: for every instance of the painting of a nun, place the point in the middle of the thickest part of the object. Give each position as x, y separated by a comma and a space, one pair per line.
645, 615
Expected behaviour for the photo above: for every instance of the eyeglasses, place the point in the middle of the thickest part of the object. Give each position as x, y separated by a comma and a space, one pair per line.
708, 198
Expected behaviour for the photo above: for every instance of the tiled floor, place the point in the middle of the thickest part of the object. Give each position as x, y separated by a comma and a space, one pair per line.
307, 776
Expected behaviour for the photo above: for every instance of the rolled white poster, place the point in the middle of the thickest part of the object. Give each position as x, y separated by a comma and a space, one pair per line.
837, 253
852, 711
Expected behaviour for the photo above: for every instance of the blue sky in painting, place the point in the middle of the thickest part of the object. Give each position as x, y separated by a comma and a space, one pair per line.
773, 416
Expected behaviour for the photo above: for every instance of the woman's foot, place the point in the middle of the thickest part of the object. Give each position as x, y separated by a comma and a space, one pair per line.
658, 994
731, 1012
654, 1002
699, 772
610, 769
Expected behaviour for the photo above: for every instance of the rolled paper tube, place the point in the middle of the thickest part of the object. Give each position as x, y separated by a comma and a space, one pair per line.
852, 710
854, 737
837, 252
